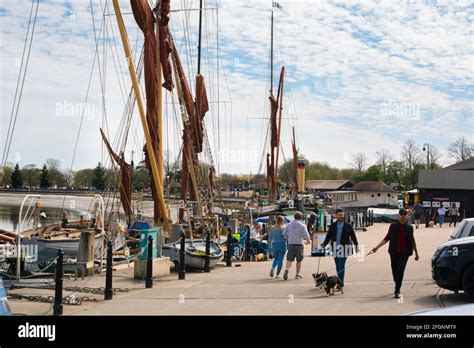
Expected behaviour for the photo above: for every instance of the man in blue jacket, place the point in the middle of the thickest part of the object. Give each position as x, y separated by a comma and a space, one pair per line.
341, 236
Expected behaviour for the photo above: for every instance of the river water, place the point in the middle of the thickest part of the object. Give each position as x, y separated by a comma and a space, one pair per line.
9, 217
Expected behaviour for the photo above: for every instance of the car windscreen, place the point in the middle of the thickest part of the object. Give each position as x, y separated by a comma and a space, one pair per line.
458, 231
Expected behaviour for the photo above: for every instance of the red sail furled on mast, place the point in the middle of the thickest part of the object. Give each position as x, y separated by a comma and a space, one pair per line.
202, 106
146, 21
272, 158
126, 178
165, 47
273, 121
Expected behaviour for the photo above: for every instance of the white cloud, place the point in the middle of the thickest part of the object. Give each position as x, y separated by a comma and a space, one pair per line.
344, 60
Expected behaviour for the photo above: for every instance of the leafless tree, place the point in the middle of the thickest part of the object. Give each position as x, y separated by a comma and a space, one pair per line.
461, 149
359, 161
411, 154
435, 157
383, 159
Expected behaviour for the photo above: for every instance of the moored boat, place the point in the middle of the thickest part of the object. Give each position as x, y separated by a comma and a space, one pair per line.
195, 253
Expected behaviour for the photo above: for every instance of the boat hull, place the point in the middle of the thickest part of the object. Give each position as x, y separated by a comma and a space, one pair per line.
47, 249
192, 259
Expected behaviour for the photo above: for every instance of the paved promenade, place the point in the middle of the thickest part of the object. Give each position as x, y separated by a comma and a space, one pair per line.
248, 289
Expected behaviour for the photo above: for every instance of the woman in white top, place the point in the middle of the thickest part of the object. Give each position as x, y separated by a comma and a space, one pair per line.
441, 213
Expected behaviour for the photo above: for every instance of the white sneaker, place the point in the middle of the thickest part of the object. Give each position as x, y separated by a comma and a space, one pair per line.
278, 277
298, 276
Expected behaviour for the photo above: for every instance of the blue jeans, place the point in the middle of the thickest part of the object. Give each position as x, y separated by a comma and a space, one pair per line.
278, 252
340, 267
441, 220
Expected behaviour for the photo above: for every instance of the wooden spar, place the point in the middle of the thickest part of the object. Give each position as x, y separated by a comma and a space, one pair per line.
271, 58
159, 113
141, 108
295, 159
280, 97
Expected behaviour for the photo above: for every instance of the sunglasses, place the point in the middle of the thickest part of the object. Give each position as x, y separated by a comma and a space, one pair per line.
403, 214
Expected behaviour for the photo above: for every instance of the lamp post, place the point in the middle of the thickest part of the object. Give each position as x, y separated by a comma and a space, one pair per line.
426, 147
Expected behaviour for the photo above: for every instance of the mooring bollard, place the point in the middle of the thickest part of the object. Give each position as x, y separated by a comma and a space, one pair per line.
208, 253
228, 260
149, 265
108, 293
58, 291
182, 271
247, 245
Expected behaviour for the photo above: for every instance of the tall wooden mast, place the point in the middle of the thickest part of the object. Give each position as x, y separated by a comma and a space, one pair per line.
136, 87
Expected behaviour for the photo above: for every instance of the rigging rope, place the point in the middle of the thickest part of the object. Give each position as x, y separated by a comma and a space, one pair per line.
14, 114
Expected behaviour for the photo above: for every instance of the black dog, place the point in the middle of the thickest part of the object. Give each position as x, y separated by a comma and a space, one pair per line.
320, 279
333, 283
330, 284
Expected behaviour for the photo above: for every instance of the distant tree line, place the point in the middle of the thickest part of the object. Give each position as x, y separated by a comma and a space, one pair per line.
401, 172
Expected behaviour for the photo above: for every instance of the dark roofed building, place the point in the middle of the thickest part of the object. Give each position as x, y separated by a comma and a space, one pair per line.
377, 186
451, 184
328, 185
463, 165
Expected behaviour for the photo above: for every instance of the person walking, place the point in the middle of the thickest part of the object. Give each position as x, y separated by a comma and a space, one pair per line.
342, 236
409, 215
418, 212
401, 246
441, 213
295, 232
277, 243
312, 220
453, 214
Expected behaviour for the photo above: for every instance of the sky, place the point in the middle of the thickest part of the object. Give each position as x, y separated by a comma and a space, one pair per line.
360, 76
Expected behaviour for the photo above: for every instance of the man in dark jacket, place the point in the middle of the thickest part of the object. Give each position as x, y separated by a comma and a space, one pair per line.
401, 246
341, 235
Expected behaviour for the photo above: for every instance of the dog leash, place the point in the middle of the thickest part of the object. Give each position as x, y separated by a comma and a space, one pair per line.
345, 267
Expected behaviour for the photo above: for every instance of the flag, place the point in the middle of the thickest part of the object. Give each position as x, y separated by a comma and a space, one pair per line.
276, 4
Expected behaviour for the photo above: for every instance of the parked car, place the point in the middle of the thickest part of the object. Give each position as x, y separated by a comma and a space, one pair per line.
464, 229
452, 266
